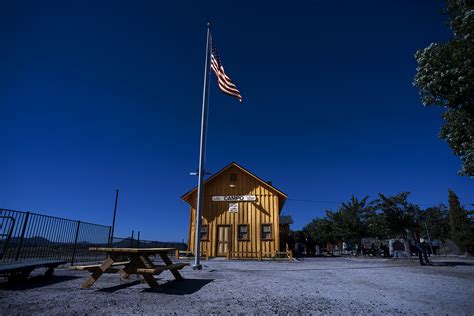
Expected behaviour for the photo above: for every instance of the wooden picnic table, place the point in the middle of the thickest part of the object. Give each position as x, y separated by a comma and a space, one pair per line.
138, 263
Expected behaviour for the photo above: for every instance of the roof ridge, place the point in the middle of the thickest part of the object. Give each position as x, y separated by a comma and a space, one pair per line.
233, 163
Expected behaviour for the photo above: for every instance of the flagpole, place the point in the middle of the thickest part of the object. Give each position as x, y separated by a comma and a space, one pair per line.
202, 153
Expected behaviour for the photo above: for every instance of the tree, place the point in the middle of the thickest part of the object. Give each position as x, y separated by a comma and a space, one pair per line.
397, 214
348, 220
461, 232
436, 220
321, 230
375, 224
445, 77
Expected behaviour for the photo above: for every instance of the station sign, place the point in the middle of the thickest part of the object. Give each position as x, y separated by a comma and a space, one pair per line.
233, 198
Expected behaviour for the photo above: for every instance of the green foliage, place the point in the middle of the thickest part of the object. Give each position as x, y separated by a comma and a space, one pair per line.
445, 77
348, 221
397, 215
321, 230
458, 131
390, 217
375, 223
436, 219
460, 227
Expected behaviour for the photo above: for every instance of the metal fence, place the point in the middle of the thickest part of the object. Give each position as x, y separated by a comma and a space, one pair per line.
30, 236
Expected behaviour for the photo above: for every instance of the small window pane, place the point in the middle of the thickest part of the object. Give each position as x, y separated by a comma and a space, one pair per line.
266, 231
203, 232
243, 232
233, 179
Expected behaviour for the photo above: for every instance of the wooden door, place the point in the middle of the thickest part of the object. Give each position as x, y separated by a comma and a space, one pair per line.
223, 240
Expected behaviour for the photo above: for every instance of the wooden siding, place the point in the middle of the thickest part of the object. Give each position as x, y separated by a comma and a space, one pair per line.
265, 210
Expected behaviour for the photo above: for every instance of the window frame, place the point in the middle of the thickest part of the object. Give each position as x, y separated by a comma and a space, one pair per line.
248, 232
262, 232
207, 233
233, 180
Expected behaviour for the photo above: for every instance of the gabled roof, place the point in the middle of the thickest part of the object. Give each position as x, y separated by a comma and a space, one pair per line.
281, 196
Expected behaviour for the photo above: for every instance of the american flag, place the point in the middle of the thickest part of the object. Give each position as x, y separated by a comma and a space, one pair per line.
225, 84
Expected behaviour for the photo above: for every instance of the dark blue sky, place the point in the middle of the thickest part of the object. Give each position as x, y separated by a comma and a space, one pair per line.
102, 95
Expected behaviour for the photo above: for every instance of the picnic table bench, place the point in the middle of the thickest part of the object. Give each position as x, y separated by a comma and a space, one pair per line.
190, 253
138, 263
93, 267
21, 269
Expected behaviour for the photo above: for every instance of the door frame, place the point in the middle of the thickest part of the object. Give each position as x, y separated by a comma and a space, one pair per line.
217, 239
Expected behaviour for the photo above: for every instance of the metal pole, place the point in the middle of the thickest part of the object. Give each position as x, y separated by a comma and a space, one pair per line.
138, 239
22, 236
202, 151
115, 213
75, 243
110, 240
429, 238
131, 240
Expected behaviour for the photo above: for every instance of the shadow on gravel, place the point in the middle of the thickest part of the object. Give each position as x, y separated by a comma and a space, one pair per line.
119, 287
451, 263
182, 287
36, 282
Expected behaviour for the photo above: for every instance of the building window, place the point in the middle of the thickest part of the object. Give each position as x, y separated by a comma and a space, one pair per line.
233, 180
203, 232
243, 232
266, 231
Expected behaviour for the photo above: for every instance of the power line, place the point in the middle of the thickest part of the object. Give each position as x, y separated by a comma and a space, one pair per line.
339, 202
314, 201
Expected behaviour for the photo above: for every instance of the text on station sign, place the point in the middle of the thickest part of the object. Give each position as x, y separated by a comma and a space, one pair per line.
233, 198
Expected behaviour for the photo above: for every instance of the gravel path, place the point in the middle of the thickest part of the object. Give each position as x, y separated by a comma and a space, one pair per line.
314, 285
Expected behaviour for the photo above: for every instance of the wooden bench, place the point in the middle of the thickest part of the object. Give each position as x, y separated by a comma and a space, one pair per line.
189, 254
94, 267
186, 253
159, 269
21, 269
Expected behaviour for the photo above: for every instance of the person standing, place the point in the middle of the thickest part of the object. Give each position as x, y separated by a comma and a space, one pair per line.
291, 243
310, 246
421, 252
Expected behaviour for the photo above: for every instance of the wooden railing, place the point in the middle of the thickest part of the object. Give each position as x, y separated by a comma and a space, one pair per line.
187, 253
288, 254
259, 254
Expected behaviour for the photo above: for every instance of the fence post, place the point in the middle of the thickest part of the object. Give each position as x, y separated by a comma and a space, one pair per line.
17, 256
75, 243
138, 239
110, 239
12, 226
131, 240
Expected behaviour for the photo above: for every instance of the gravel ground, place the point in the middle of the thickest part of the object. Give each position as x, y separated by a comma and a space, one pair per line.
313, 285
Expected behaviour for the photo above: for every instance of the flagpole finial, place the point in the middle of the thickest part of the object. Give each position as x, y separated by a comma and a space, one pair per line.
208, 25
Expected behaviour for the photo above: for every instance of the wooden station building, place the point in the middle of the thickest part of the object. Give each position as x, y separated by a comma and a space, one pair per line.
240, 215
